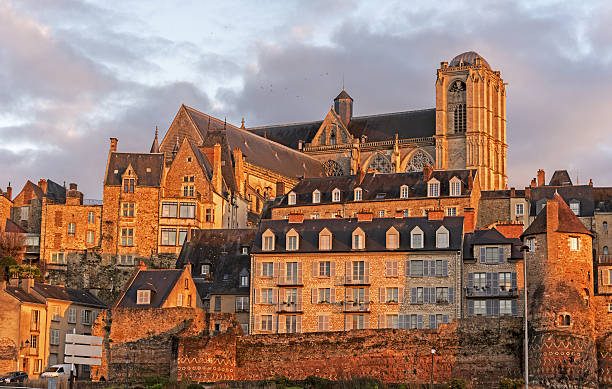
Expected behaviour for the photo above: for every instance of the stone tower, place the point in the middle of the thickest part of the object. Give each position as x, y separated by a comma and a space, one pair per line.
561, 309
343, 105
471, 119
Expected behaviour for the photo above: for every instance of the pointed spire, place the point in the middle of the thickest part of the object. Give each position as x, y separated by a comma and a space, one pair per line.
242, 126
155, 145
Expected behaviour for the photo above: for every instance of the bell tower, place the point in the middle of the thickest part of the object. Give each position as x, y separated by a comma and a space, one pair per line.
471, 119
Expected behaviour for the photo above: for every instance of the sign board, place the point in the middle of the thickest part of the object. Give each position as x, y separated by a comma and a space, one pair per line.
83, 361
83, 339
83, 349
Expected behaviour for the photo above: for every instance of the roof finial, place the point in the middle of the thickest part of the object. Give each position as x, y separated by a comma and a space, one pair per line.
224, 122
342, 80
242, 123
156, 131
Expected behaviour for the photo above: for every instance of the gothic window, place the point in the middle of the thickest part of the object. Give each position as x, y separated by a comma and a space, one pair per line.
459, 118
381, 163
418, 161
332, 137
332, 168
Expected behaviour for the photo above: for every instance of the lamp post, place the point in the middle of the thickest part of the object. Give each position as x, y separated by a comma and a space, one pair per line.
431, 382
525, 250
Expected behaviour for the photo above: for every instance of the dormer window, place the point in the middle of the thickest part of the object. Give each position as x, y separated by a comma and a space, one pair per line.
244, 281
336, 195
316, 196
404, 192
455, 187
392, 239
416, 238
267, 241
205, 269
433, 188
325, 238
143, 297
358, 194
358, 239
128, 185
292, 240
291, 198
442, 238
575, 207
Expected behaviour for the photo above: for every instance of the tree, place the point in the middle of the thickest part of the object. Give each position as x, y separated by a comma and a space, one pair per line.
11, 244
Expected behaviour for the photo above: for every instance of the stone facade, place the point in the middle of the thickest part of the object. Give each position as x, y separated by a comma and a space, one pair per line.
5, 207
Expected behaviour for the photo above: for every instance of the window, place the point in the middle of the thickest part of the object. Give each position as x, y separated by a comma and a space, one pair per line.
605, 226
392, 321
72, 315
406, 212
125, 259
127, 236
267, 269
575, 207
242, 303
492, 255
381, 213
35, 320
609, 307
359, 322
324, 241
291, 198
179, 300
58, 258
187, 211
54, 337
324, 269
505, 307
433, 188
392, 239
358, 273
416, 268
205, 269
519, 209
442, 238
188, 179
292, 272
268, 241
335, 199
605, 250
127, 209
188, 300
34, 341
480, 307
71, 229
574, 243
391, 269
182, 236
32, 241
451, 211
324, 295
531, 244
323, 322
292, 242
128, 185
85, 316
168, 237
169, 209
188, 191
291, 324
564, 320
455, 187
358, 241
442, 295
404, 192
416, 238
244, 281
459, 118
91, 217
392, 295
91, 237
143, 297
266, 322
316, 197
480, 280
56, 313
358, 194
267, 296
504, 281
217, 303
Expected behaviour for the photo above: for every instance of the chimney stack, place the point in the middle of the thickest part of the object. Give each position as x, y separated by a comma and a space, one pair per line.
216, 162
533, 183
113, 145
280, 188
512, 192
427, 172
364, 216
296, 218
435, 214
42, 184
73, 196
399, 214
239, 170
469, 221
9, 192
142, 266
541, 177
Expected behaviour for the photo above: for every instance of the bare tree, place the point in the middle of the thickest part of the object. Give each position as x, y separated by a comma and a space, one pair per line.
11, 244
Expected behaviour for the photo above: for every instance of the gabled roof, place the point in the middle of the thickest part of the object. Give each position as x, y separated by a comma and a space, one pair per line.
160, 282
490, 237
118, 163
603, 199
567, 220
583, 193
80, 297
23, 295
343, 95
560, 178
56, 192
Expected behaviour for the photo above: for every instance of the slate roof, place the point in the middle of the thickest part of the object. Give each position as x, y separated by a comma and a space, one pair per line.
490, 237
227, 158
23, 295
375, 233
222, 250
258, 150
56, 192
468, 59
80, 297
140, 162
161, 282
11, 226
501, 194
568, 221
602, 198
407, 124
582, 193
560, 178
376, 186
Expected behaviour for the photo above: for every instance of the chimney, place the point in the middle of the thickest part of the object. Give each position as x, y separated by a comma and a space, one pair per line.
73, 196
113, 145
42, 184
72, 186
239, 170
552, 214
188, 267
9, 192
469, 221
142, 266
533, 183
216, 162
427, 172
280, 188
29, 284
364, 216
470, 181
541, 177
435, 214
360, 175
510, 229
296, 218
399, 214
590, 183
512, 192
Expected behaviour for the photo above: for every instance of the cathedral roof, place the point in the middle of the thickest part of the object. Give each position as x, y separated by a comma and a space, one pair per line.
468, 58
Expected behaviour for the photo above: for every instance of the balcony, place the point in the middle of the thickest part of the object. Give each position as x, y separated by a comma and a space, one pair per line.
605, 259
351, 306
289, 307
353, 280
486, 291
288, 281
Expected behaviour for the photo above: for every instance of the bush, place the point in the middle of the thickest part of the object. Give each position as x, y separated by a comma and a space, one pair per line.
510, 383
456, 383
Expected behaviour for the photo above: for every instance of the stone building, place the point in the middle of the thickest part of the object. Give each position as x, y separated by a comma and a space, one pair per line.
6, 203
35, 320
465, 130
221, 269
508, 205
355, 273
386, 195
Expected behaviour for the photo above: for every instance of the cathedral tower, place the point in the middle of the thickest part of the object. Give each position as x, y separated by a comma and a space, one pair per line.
471, 119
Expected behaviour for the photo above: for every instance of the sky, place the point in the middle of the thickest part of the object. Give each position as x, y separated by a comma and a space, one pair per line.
75, 73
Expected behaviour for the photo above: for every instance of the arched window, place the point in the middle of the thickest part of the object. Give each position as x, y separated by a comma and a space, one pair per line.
332, 137
605, 250
605, 226
381, 163
291, 198
404, 192
459, 118
336, 195
418, 160
316, 196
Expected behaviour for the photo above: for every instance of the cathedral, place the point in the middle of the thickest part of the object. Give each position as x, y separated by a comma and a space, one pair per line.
465, 130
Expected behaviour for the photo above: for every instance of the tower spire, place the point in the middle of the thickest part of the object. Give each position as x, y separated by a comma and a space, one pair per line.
155, 145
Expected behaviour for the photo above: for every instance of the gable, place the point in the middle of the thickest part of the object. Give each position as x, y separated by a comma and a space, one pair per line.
182, 127
187, 162
331, 125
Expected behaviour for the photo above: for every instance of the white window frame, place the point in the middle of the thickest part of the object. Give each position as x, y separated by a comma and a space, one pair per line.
268, 245
291, 198
316, 196
358, 194
439, 233
143, 297
520, 206
433, 188
336, 195
451, 211
72, 316
325, 240
292, 240
392, 239
359, 243
574, 243
455, 186
404, 192
575, 207
417, 231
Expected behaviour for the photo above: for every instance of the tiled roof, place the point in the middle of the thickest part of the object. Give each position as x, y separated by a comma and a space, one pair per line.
80, 297
468, 58
603, 199
119, 162
23, 296
568, 221
375, 232
582, 193
161, 282
560, 178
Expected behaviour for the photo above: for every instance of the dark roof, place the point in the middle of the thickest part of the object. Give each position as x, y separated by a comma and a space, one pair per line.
227, 158
560, 178
468, 58
222, 250
603, 199
56, 192
375, 233
23, 296
407, 124
501, 194
343, 95
161, 282
119, 162
376, 186
489, 237
80, 297
582, 193
259, 151
11, 226
567, 220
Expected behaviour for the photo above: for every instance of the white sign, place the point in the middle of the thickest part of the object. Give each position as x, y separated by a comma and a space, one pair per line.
83, 361
83, 349
83, 339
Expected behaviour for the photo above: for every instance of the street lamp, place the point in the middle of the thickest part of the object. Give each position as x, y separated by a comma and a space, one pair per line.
433, 352
525, 249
